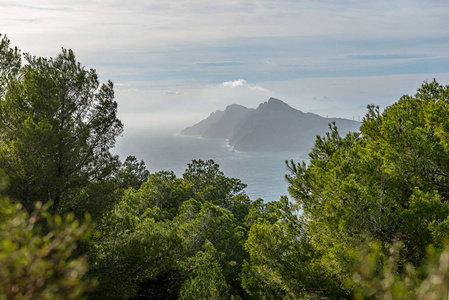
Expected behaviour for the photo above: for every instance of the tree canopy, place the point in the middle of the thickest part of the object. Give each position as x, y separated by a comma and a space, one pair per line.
57, 125
387, 183
40, 262
171, 238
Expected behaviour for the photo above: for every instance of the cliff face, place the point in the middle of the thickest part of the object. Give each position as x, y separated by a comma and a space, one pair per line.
273, 127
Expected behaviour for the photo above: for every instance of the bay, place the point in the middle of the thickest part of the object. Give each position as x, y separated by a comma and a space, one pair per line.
263, 172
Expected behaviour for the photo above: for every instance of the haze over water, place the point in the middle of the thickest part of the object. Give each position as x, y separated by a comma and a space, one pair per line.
262, 172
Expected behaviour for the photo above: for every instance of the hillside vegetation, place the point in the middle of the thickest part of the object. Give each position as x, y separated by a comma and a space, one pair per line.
369, 216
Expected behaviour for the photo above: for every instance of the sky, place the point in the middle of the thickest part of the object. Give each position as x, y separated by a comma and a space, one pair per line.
175, 62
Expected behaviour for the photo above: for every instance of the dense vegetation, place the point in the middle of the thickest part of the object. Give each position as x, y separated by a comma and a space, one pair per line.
370, 215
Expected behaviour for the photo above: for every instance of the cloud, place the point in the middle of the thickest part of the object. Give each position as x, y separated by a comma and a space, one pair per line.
235, 83
321, 98
171, 93
256, 88
222, 63
185, 54
243, 83
36, 7
149, 40
390, 56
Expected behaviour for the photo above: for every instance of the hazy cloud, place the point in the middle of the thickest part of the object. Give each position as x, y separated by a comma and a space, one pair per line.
243, 83
235, 83
256, 88
321, 98
390, 56
222, 64
171, 93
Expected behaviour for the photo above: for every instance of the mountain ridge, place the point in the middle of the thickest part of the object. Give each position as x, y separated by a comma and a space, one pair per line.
274, 126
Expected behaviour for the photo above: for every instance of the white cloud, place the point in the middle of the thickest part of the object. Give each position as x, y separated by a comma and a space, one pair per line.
243, 83
235, 83
256, 88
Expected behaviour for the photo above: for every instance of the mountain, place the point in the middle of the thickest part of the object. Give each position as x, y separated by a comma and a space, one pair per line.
200, 128
220, 124
273, 127
225, 127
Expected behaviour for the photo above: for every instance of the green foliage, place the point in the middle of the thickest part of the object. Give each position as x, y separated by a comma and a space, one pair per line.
10, 62
132, 173
210, 184
38, 263
377, 274
132, 251
169, 239
283, 263
165, 191
385, 184
206, 280
57, 123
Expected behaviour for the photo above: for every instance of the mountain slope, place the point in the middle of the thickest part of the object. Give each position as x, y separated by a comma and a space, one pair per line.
224, 127
273, 127
220, 124
201, 127
276, 126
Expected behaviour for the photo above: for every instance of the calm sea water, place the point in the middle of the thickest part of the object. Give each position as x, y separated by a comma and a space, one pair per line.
262, 172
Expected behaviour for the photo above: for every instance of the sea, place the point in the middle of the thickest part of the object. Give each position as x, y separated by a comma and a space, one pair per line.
263, 172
